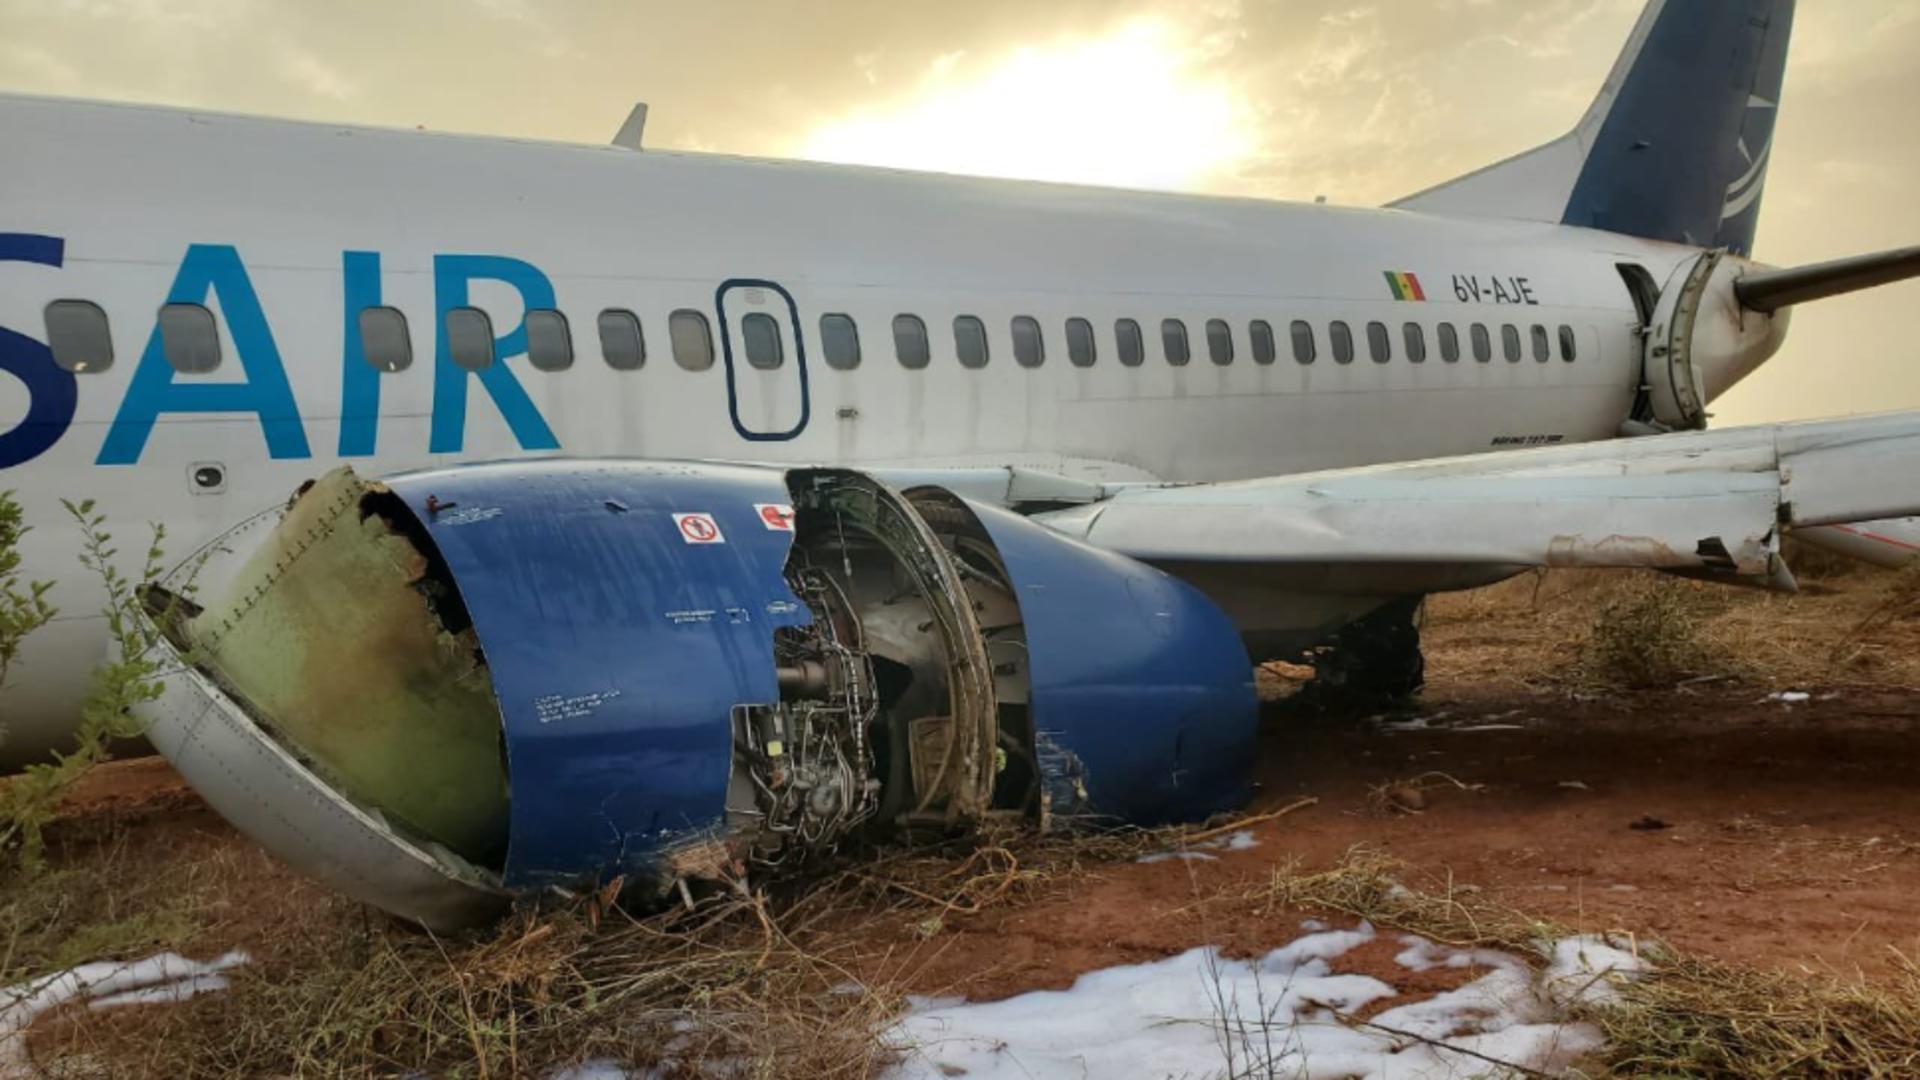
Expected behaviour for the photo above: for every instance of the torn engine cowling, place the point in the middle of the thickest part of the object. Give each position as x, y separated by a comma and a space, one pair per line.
440, 691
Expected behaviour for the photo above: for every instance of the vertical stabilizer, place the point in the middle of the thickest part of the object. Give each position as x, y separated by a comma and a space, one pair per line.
1674, 148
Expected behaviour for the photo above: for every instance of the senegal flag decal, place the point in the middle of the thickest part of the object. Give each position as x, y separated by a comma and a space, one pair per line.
1404, 285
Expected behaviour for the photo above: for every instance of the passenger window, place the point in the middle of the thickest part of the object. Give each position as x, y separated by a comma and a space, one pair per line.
910, 342
1080, 347
189, 338
621, 342
1568, 351
384, 340
1449, 343
762, 337
1379, 345
78, 335
1029, 349
970, 341
1220, 341
1510, 343
1342, 343
1416, 337
1303, 349
691, 339
470, 338
1263, 348
1482, 343
1133, 344
1542, 351
1173, 341
840, 340
549, 340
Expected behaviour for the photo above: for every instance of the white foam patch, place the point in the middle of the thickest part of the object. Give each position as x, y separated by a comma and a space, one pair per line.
168, 977
1195, 1013
1423, 955
1239, 840
599, 1069
1590, 970
164, 994
1183, 856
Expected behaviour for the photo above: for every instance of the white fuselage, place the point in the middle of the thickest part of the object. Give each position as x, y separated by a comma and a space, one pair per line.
147, 202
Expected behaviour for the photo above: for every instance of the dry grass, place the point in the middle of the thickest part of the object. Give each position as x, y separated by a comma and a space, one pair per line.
785, 983
767, 985
777, 984
100, 906
1588, 631
1694, 1017
1690, 1017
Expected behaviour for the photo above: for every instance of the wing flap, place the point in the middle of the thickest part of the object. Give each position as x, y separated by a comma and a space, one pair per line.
1693, 502
1845, 471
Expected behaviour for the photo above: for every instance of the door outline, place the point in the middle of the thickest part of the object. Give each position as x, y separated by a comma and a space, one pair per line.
726, 354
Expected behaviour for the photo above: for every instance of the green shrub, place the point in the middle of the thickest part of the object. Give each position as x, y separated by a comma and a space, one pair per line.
126, 679
23, 604
1649, 636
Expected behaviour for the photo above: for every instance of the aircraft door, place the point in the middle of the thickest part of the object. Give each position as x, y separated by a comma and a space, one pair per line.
760, 339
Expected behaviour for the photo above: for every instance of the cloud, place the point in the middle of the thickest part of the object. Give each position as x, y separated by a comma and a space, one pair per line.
1360, 100
316, 76
1134, 106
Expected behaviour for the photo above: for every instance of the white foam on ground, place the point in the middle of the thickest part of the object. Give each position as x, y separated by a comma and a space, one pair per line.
1199, 1014
1183, 856
165, 994
167, 977
1239, 840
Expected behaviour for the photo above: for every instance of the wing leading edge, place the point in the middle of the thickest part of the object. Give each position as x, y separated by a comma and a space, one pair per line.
1697, 502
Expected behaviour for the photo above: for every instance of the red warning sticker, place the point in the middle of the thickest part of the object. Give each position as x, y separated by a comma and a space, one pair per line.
699, 529
777, 517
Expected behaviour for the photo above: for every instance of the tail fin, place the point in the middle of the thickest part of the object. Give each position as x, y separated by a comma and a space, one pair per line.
1674, 148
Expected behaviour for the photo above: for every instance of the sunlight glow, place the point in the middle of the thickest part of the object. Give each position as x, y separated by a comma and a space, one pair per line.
1134, 108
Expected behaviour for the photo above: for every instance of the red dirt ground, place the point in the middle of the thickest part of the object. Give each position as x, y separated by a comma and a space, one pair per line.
1793, 838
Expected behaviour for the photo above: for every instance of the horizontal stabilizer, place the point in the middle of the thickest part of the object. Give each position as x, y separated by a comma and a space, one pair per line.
1771, 290
1892, 544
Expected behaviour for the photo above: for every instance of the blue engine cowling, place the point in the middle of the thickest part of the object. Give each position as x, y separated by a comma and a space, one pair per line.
703, 668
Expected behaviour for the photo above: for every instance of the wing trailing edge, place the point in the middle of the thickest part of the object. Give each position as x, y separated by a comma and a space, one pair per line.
1699, 502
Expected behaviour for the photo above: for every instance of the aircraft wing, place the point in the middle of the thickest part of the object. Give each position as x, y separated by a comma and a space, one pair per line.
1709, 502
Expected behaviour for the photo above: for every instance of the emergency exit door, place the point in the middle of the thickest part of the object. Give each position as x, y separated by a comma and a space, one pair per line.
765, 354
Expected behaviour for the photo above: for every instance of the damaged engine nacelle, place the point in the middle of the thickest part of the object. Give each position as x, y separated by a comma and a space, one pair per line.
1702, 341
440, 691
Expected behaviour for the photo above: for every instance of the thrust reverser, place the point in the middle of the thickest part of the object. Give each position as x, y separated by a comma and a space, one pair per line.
440, 691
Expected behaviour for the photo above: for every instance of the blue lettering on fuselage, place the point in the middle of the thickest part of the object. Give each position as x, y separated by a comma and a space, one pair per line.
52, 392
359, 380
451, 276
215, 269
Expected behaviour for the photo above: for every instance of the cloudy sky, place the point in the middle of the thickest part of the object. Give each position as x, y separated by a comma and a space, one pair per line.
1289, 99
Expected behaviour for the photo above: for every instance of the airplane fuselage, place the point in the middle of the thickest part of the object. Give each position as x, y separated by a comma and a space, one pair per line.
1463, 336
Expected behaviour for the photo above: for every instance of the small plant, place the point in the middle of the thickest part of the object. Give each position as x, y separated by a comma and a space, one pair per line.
1648, 637
23, 604
126, 679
